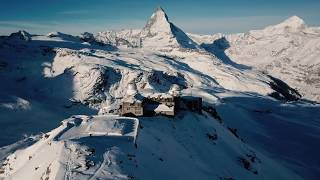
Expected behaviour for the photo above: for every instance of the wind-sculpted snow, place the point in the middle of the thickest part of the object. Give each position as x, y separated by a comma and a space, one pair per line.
68, 151
98, 148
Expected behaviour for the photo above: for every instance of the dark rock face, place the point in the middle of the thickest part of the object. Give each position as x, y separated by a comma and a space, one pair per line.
87, 37
182, 38
282, 90
162, 81
21, 35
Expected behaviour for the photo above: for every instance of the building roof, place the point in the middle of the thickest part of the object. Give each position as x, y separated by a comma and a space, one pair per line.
159, 108
150, 93
137, 98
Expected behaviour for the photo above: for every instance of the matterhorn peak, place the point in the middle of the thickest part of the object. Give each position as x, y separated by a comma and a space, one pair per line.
158, 23
160, 12
160, 15
159, 8
160, 32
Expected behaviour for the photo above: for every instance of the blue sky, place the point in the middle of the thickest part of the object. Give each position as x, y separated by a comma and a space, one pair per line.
196, 16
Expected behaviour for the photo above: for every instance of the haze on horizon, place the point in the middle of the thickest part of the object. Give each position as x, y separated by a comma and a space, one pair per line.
202, 17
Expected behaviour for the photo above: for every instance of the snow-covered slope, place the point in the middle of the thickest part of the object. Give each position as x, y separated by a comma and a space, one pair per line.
48, 78
187, 147
289, 51
62, 153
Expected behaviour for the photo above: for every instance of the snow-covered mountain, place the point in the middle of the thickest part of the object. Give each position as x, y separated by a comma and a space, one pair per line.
253, 124
158, 33
289, 51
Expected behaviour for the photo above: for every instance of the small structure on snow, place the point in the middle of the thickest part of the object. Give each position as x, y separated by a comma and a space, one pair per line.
154, 103
132, 104
159, 104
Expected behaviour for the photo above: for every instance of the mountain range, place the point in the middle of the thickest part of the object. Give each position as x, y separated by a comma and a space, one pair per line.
260, 92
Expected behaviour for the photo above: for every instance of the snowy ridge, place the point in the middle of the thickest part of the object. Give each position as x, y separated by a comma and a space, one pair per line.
288, 51
126, 38
293, 24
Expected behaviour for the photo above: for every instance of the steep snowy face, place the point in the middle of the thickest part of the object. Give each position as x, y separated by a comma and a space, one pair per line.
159, 32
157, 24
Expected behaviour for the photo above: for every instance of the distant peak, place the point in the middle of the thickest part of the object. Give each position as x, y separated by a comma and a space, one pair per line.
295, 19
22, 32
22, 35
293, 22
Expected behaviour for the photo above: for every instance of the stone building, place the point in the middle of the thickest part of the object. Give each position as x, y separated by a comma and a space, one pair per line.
132, 104
150, 103
132, 109
159, 104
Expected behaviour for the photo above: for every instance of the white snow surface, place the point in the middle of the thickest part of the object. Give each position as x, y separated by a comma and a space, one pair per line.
61, 153
253, 125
